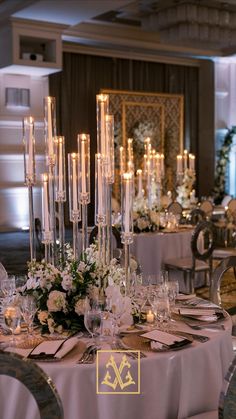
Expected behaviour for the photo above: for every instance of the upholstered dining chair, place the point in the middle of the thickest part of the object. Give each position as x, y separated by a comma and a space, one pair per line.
196, 215
227, 401
202, 245
175, 208
221, 268
36, 381
207, 207
3, 272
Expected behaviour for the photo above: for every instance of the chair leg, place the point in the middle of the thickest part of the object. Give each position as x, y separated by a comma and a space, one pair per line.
188, 281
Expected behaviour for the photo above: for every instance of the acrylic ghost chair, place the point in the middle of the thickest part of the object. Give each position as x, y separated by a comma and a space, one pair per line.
202, 245
36, 381
227, 399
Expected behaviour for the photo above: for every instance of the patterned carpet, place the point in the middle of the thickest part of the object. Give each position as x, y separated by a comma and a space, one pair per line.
227, 292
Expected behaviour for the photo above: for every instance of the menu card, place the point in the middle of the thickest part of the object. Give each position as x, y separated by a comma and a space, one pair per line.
163, 337
53, 348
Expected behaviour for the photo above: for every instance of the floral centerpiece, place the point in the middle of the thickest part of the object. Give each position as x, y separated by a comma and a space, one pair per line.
185, 188
146, 219
62, 294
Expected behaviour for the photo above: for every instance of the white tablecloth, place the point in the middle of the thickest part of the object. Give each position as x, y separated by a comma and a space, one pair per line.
174, 385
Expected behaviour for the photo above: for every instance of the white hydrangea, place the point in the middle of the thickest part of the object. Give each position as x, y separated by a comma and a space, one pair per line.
56, 301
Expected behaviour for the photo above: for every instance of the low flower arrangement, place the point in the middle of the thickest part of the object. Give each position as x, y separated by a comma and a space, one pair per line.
184, 190
146, 219
62, 294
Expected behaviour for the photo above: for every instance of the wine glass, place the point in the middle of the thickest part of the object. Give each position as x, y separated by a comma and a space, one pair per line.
28, 308
162, 307
93, 321
12, 317
139, 298
8, 287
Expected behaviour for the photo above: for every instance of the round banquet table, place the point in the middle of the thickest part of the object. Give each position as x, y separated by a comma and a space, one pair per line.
152, 249
174, 384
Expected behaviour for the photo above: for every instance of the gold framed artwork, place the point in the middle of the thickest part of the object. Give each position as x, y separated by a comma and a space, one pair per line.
159, 116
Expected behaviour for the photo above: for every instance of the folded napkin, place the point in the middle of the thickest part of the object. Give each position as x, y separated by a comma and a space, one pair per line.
207, 314
165, 338
183, 297
53, 348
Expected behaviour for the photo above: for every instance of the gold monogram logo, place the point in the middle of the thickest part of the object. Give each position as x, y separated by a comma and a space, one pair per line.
118, 376
118, 371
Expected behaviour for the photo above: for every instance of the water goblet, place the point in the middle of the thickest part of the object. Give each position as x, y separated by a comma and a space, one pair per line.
92, 322
163, 307
12, 317
139, 298
28, 308
8, 287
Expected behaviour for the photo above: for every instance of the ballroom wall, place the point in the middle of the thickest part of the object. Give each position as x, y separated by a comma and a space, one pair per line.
13, 193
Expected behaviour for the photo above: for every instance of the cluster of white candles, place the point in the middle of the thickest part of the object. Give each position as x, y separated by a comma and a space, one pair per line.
54, 179
104, 161
153, 167
185, 161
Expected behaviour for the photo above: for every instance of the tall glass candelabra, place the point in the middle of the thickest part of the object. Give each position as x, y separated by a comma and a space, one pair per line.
110, 176
50, 134
47, 229
84, 183
29, 171
127, 191
100, 206
60, 187
75, 213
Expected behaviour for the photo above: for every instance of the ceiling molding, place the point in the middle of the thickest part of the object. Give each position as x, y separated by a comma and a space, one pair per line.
113, 36
134, 55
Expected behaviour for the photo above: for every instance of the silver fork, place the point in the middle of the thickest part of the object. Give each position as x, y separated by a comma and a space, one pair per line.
86, 354
92, 355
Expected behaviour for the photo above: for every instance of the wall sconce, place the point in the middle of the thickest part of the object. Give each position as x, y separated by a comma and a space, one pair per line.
17, 97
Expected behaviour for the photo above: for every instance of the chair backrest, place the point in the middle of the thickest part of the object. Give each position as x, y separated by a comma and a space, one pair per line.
175, 208
226, 200
36, 380
203, 243
197, 215
232, 205
203, 240
3, 272
224, 265
227, 404
207, 207
115, 234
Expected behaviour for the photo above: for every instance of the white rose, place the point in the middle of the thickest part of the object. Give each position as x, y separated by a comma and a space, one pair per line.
51, 325
66, 282
81, 306
43, 316
142, 224
56, 301
154, 216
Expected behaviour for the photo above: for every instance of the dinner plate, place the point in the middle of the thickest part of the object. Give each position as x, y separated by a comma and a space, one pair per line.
132, 329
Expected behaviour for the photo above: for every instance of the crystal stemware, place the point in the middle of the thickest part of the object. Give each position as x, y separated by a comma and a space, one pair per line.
93, 321
12, 317
8, 287
28, 308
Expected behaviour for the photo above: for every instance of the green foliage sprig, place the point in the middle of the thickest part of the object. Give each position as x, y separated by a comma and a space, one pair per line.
223, 159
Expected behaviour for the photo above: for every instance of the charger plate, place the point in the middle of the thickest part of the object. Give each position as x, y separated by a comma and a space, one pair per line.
143, 344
